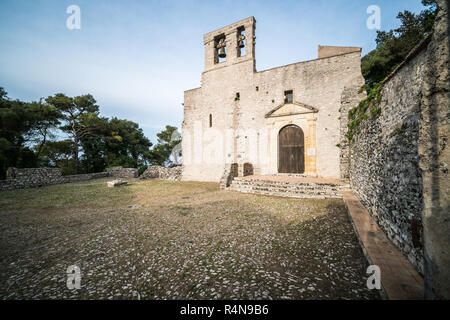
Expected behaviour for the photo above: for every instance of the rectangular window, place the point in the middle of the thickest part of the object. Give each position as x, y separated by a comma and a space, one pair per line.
288, 96
210, 120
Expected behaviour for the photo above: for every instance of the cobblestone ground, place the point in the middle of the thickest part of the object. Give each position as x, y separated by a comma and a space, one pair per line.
176, 240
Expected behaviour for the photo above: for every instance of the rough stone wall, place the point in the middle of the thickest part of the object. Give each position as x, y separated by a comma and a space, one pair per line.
230, 172
84, 177
38, 177
121, 172
434, 155
399, 161
318, 83
30, 177
384, 165
158, 172
350, 98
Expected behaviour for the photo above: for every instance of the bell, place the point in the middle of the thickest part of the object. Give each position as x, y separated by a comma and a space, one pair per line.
241, 41
222, 53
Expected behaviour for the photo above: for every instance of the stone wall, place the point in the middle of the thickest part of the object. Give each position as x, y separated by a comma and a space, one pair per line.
38, 177
350, 98
84, 177
121, 172
384, 161
399, 160
231, 171
30, 177
434, 154
158, 172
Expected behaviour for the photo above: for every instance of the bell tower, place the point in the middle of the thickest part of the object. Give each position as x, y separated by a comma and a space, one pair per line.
229, 45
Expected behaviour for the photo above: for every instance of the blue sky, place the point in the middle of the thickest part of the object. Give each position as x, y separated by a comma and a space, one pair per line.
137, 57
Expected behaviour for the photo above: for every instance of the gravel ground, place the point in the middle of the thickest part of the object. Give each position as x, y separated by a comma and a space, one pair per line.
176, 240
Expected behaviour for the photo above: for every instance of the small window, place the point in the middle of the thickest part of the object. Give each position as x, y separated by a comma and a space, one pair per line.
210, 120
238, 97
288, 96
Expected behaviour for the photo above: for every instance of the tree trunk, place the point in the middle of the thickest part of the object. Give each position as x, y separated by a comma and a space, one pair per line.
75, 147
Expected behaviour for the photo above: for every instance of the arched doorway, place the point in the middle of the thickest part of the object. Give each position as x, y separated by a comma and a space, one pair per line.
291, 150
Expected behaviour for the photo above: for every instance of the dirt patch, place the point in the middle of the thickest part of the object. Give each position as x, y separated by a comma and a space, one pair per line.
176, 240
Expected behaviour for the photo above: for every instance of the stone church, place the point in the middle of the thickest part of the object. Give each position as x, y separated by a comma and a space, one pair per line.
285, 120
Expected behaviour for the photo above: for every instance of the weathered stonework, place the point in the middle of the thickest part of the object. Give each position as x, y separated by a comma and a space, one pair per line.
434, 153
116, 183
231, 171
38, 177
84, 177
121, 172
349, 99
158, 172
30, 177
289, 189
384, 165
237, 114
399, 160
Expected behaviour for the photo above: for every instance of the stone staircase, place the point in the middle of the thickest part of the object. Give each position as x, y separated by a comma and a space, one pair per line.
292, 188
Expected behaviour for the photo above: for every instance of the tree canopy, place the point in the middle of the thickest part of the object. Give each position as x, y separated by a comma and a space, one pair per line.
69, 133
394, 45
168, 139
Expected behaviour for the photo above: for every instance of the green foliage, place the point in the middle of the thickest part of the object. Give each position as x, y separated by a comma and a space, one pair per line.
392, 48
73, 112
358, 114
394, 45
142, 169
16, 122
28, 133
167, 140
126, 144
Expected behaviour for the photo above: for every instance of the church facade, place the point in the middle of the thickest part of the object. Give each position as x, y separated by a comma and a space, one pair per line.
285, 120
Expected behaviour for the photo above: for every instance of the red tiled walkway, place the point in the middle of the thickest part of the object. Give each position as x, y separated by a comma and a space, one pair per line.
399, 278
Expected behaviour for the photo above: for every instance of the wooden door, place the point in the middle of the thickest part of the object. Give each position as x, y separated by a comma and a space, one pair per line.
291, 150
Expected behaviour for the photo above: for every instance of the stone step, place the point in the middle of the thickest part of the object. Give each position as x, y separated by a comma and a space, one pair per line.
289, 183
292, 189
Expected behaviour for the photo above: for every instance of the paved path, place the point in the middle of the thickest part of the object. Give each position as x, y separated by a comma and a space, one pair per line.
399, 278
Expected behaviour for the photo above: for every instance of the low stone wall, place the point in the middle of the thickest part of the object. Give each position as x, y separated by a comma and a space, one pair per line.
84, 177
38, 177
121, 172
30, 177
158, 172
384, 161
